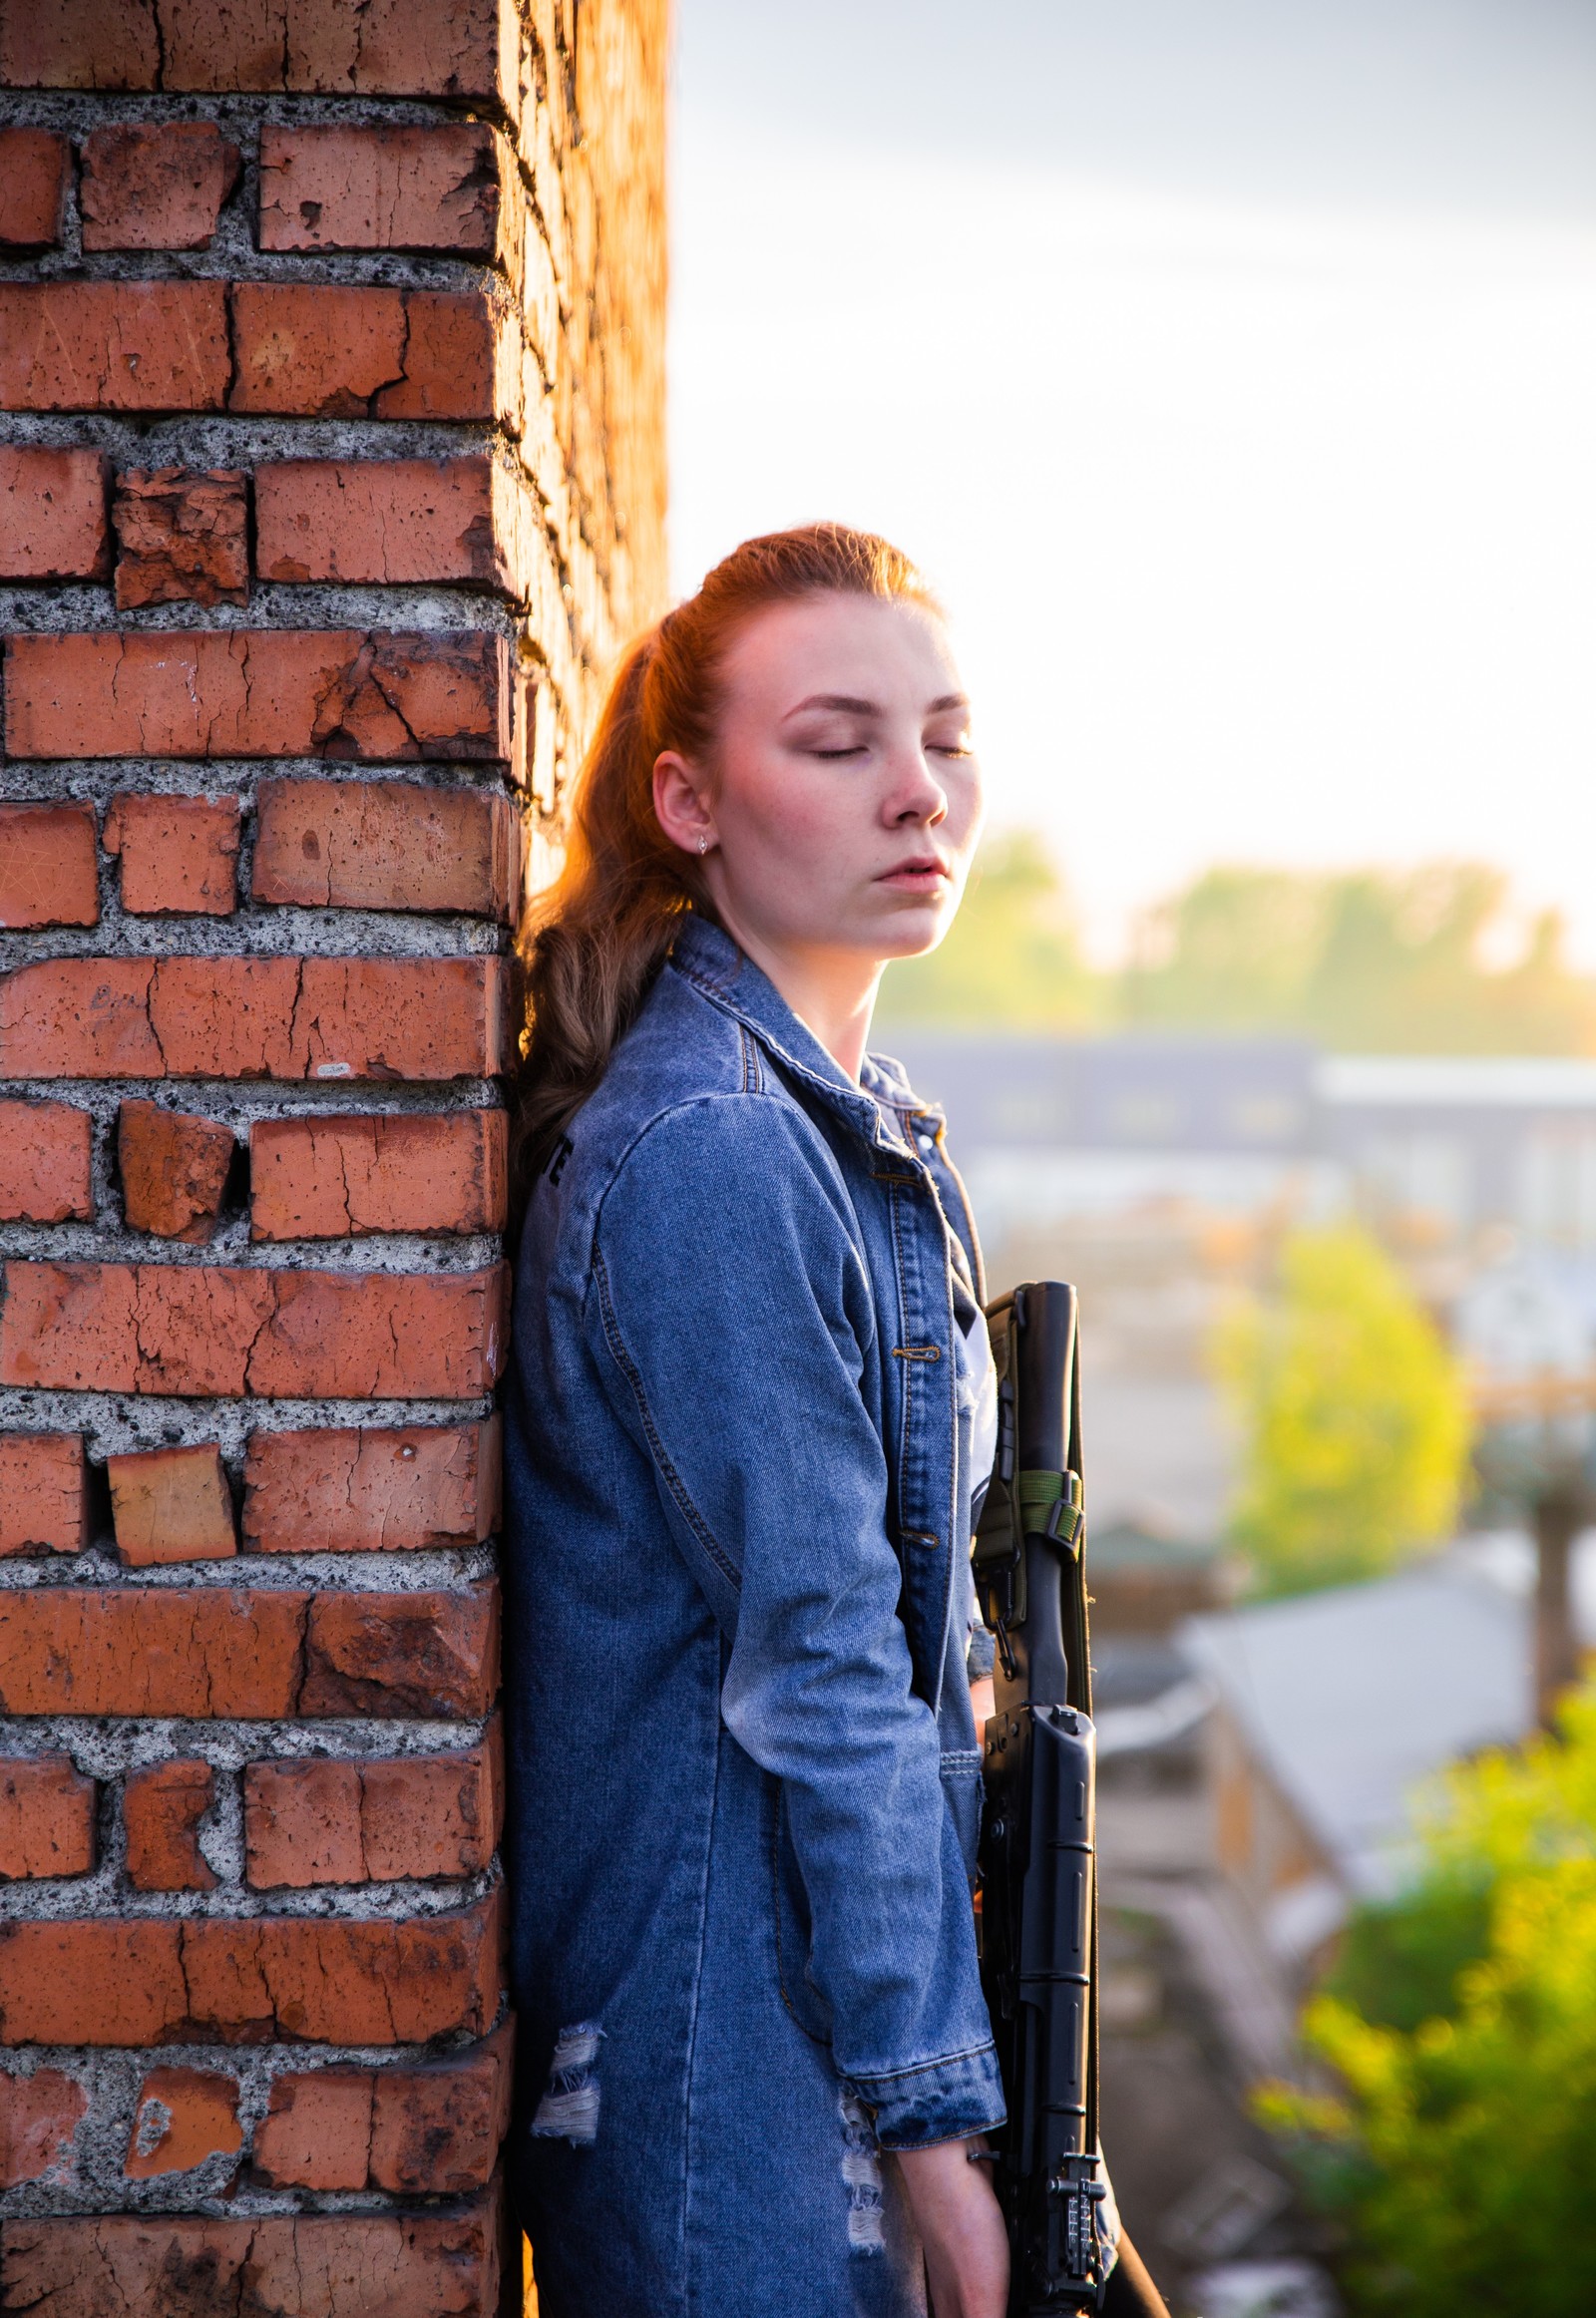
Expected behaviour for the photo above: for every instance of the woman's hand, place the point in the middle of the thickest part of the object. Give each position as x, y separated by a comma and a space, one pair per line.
961, 2225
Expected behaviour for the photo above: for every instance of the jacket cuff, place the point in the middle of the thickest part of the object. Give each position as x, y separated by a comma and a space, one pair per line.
937, 2101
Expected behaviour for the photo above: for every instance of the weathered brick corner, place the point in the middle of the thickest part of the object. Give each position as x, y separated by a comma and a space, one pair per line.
331, 348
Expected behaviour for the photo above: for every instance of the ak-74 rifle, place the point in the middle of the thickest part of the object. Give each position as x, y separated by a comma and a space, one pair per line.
1038, 1881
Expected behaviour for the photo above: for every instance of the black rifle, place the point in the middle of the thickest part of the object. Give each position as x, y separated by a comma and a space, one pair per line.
1038, 1882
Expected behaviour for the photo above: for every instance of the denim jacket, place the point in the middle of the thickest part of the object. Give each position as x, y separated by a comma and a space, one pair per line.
738, 1516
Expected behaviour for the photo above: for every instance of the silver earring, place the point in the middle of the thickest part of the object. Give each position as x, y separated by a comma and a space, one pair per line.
703, 845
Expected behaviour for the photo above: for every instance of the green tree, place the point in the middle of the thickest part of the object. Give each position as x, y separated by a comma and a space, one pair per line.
1460, 2148
1353, 1421
1012, 959
1364, 962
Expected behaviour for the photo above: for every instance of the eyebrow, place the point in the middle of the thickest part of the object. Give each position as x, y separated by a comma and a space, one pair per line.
848, 706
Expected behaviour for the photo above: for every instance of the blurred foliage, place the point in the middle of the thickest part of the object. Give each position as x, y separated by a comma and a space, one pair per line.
1364, 962
1353, 1413
1012, 959
1460, 2148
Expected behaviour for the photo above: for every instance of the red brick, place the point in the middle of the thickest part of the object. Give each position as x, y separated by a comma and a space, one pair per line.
180, 854
113, 345
93, 1980
151, 1651
224, 1651
48, 871
155, 185
433, 189
162, 1805
39, 2117
254, 1018
381, 519
46, 1157
46, 1817
183, 2116
53, 512
183, 536
324, 350
169, 1505
344, 1492
257, 693
44, 1494
317, 2133
431, 1653
173, 1170
458, 365
437, 2130
456, 48
322, 1178
282, 2265
387, 845
33, 188
195, 1331
370, 1822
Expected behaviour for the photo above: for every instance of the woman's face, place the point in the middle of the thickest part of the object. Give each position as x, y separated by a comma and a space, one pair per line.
845, 799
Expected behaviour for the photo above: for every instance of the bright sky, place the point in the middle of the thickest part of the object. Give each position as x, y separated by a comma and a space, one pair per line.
1230, 368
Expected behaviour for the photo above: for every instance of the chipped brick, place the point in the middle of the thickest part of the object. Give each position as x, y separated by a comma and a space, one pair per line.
163, 1804
402, 1654
183, 2117
324, 350
384, 520
155, 185
183, 536
174, 1171
39, 2118
317, 2133
370, 1822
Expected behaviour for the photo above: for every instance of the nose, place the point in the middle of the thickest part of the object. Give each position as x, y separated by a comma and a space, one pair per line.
914, 797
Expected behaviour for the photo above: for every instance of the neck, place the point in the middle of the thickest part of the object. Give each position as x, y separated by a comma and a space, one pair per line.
832, 991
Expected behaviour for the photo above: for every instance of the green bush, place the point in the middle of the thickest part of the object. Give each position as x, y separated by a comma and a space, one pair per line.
1459, 2150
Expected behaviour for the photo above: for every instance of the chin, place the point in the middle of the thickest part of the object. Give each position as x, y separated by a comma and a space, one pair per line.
914, 932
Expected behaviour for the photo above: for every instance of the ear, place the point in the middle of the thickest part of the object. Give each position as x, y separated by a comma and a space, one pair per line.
679, 804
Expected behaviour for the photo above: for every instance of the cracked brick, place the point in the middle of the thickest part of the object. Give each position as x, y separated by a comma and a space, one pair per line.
44, 1494
325, 1178
436, 189
393, 521
179, 855
170, 1505
254, 1018
371, 1821
39, 2118
183, 2117
114, 345
163, 1804
326, 350
173, 1170
183, 536
261, 692
35, 169
338, 1490
47, 1818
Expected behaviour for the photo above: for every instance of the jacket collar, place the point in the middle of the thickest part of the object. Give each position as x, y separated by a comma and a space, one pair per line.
705, 954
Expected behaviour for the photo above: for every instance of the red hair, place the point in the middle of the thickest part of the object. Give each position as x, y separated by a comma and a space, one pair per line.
600, 933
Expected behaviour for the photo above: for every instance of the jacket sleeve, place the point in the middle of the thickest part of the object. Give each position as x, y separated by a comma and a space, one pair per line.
733, 1318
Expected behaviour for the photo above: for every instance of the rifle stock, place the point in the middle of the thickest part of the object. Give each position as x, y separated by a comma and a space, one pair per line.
1039, 1862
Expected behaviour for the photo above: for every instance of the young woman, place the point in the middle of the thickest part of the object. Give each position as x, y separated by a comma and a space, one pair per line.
745, 1417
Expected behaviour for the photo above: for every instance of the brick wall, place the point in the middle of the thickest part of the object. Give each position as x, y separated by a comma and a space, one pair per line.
331, 339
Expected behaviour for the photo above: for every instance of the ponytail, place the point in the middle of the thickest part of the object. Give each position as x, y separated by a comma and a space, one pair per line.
597, 939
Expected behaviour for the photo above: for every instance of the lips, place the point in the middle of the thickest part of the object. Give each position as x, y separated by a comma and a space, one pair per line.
924, 873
